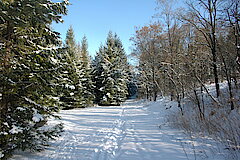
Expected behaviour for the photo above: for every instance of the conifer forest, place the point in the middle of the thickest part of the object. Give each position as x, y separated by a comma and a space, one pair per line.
182, 73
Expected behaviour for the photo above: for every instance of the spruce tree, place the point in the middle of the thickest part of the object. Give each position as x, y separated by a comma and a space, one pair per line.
76, 74
71, 95
123, 70
28, 73
97, 66
110, 72
85, 74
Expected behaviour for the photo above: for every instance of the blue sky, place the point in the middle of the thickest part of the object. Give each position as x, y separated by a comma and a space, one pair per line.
95, 18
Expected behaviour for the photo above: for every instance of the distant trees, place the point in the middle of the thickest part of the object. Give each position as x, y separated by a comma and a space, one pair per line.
103, 81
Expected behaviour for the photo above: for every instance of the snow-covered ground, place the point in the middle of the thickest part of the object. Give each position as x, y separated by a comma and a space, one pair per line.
137, 130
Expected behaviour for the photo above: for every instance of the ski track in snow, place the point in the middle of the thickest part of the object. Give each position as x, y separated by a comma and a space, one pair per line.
133, 131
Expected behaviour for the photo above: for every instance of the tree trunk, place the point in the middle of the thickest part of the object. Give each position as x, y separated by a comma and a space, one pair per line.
203, 105
229, 82
147, 93
214, 46
201, 114
215, 72
179, 103
155, 96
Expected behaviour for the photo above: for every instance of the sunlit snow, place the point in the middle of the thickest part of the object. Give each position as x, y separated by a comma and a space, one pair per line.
15, 130
136, 130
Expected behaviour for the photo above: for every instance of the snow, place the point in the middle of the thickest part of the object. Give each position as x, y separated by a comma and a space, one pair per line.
15, 130
32, 102
136, 130
104, 98
108, 94
20, 108
11, 81
1, 154
54, 60
3, 133
72, 87
6, 124
56, 98
37, 117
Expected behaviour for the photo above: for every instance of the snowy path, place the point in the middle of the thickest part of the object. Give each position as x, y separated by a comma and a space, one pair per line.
127, 132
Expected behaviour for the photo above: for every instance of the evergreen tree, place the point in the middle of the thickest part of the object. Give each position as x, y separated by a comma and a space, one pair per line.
70, 43
110, 72
85, 75
71, 95
76, 74
28, 73
97, 66
122, 70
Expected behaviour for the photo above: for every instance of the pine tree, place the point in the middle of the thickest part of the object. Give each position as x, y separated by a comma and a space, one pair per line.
110, 72
76, 74
28, 73
97, 66
85, 75
71, 95
70, 43
122, 70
